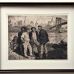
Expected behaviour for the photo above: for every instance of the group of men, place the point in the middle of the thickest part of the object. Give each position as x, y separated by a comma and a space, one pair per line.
33, 41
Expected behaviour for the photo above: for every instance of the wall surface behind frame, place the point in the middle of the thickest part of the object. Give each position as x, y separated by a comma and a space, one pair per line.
42, 73
0, 37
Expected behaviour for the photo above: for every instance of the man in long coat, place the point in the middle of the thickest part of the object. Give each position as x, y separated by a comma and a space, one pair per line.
43, 39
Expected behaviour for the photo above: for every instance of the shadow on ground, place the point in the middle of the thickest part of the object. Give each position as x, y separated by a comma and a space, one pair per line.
55, 51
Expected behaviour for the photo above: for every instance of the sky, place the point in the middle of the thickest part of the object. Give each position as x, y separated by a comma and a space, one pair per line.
35, 20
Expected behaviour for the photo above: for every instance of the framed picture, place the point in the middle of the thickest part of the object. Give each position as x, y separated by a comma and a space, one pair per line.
37, 37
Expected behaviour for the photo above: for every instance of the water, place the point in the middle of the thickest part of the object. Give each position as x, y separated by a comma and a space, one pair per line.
53, 37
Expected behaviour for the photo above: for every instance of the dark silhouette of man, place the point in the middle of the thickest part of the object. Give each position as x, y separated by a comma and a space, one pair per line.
20, 48
43, 39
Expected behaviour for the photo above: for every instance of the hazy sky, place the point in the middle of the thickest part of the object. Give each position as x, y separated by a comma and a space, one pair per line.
35, 20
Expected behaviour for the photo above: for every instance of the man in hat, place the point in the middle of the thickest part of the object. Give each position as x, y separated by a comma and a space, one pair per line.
34, 41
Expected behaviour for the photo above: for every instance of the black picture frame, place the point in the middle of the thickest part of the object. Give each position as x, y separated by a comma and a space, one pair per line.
70, 4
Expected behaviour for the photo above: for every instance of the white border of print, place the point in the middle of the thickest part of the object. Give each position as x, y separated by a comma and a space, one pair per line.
35, 64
